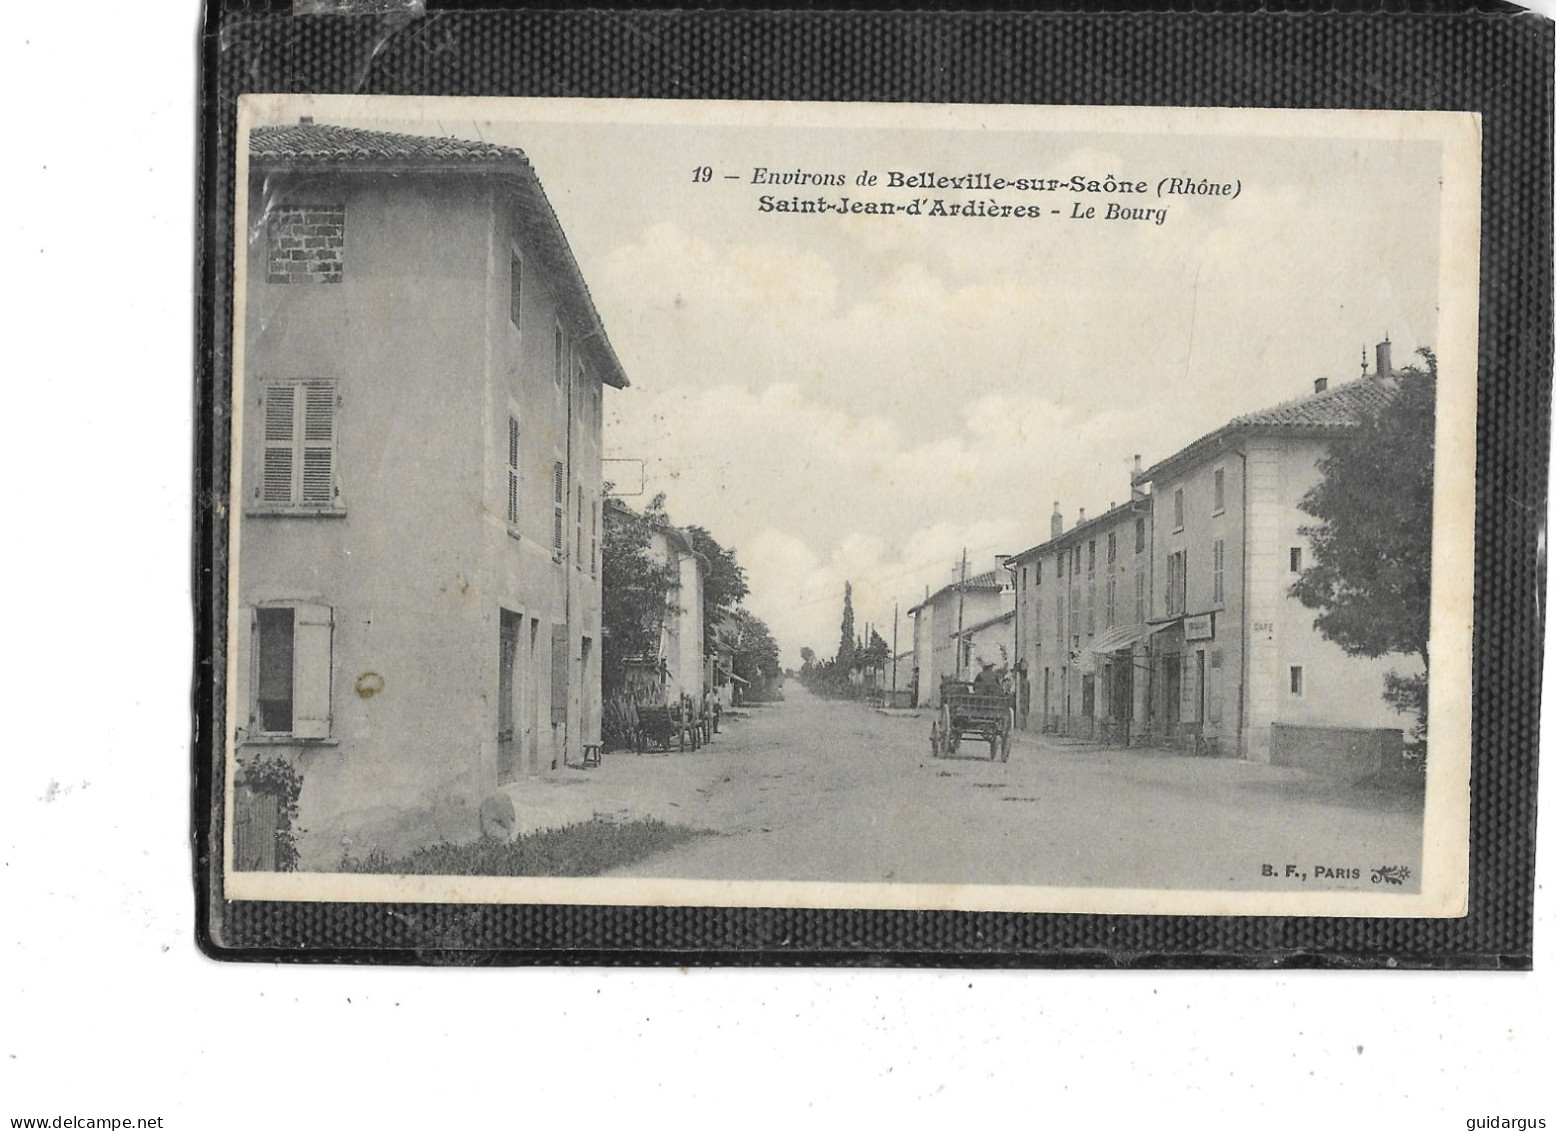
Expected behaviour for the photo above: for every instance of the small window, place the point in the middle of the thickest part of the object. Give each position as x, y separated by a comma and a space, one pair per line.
1296, 559
1059, 566
1075, 563
1139, 598
1177, 509
513, 471
273, 687
298, 463
1112, 548
1091, 608
1112, 605
1296, 680
1220, 490
1038, 576
291, 671
1139, 535
516, 291
1091, 557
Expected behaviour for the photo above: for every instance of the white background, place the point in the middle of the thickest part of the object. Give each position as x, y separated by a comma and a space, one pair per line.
108, 1008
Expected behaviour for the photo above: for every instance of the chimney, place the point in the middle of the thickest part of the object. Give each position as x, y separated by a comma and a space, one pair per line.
305, 120
1081, 518
1136, 492
1320, 384
1385, 365
1056, 523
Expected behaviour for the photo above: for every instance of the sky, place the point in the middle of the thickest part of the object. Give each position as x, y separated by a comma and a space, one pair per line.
861, 398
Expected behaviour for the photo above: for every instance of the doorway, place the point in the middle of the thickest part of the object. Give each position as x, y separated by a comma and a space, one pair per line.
508, 693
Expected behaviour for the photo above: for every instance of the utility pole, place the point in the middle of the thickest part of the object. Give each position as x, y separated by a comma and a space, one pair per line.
894, 653
961, 611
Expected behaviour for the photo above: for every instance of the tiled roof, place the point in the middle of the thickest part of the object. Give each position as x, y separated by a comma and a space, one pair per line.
1008, 614
308, 141
1338, 408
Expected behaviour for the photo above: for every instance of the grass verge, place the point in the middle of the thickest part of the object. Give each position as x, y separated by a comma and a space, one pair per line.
585, 849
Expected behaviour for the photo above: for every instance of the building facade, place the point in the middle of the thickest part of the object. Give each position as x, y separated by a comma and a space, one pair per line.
1081, 631
1237, 660
942, 616
418, 599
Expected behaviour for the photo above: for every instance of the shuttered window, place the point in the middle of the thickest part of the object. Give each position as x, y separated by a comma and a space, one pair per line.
292, 670
558, 508
513, 471
1218, 571
578, 532
594, 537
298, 461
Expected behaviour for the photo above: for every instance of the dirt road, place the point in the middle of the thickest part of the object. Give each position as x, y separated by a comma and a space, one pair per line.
826, 791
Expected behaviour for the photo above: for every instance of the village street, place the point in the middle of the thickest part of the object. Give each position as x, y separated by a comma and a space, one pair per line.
815, 790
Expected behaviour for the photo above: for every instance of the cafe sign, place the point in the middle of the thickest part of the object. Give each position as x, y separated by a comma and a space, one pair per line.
1202, 627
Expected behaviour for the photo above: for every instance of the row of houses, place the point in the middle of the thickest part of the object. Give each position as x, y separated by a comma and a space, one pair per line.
1168, 619
417, 623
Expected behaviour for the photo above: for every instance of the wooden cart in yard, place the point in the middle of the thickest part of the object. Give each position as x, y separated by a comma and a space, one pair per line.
970, 711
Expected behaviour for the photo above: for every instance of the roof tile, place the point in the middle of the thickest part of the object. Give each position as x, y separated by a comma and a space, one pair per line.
308, 141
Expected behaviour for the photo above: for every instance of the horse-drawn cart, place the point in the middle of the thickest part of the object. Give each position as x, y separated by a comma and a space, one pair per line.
968, 710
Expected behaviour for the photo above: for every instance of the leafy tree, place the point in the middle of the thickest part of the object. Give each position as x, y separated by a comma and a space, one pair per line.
807, 662
725, 586
756, 657
636, 590
846, 645
1371, 577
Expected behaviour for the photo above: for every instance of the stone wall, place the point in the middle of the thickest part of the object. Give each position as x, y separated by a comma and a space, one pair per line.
1348, 753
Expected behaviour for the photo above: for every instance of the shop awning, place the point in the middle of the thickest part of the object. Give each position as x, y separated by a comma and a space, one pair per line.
1107, 643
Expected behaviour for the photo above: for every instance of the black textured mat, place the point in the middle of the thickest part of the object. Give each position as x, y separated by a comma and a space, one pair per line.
1494, 60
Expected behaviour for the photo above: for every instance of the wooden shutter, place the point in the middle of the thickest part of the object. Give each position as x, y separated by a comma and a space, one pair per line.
318, 478
312, 644
280, 403
558, 507
558, 674
513, 470
578, 532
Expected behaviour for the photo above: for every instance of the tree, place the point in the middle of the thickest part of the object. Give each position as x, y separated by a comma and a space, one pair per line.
807, 662
725, 585
846, 644
635, 591
1371, 577
756, 659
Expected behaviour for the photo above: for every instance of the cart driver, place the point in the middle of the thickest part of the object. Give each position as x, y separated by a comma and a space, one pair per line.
987, 681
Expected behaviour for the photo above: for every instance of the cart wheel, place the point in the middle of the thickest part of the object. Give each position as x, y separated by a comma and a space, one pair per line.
934, 739
1010, 726
947, 734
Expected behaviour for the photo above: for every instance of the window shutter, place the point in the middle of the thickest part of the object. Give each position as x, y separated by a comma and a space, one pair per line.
318, 486
513, 470
558, 506
280, 440
558, 674
311, 690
